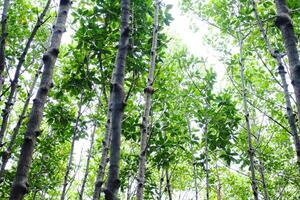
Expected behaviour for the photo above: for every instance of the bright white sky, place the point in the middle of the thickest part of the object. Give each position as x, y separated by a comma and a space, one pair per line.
181, 28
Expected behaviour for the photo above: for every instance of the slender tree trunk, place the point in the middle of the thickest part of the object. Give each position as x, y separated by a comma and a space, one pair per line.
290, 114
88, 163
219, 197
74, 137
7, 153
118, 104
20, 184
206, 160
147, 107
128, 186
248, 127
104, 158
263, 180
284, 23
3, 41
168, 184
193, 159
14, 84
289, 109
161, 181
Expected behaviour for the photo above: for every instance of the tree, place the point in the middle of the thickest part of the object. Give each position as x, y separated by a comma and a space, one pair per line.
20, 185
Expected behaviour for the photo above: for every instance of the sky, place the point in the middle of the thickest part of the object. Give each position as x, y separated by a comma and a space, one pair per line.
193, 38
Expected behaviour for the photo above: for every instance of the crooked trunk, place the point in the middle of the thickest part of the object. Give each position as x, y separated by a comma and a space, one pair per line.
118, 104
147, 107
20, 184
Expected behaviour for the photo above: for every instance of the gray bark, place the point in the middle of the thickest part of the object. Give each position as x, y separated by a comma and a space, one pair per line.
70, 161
88, 163
3, 41
193, 160
206, 160
118, 104
248, 127
168, 184
289, 109
7, 153
284, 23
161, 181
14, 84
20, 184
147, 107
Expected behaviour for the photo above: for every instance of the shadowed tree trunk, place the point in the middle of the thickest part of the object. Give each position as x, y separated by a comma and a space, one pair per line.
248, 127
20, 184
147, 107
168, 184
14, 84
3, 41
281, 71
74, 137
284, 23
206, 160
161, 181
88, 162
118, 104
7, 153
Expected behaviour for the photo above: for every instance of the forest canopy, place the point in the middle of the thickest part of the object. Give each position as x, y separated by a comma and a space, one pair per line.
102, 99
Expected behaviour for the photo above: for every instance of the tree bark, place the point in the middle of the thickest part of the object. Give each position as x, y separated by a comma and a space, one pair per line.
14, 84
118, 104
206, 160
289, 109
248, 127
284, 23
161, 181
147, 107
290, 113
219, 197
70, 161
7, 153
3, 41
88, 163
193, 160
168, 184
20, 184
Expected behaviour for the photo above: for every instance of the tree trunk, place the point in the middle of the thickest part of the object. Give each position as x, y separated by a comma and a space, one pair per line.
3, 41
193, 159
219, 183
206, 160
285, 24
168, 184
20, 184
14, 84
161, 181
74, 137
289, 109
7, 153
88, 163
248, 127
290, 114
147, 107
263, 180
118, 104
104, 158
